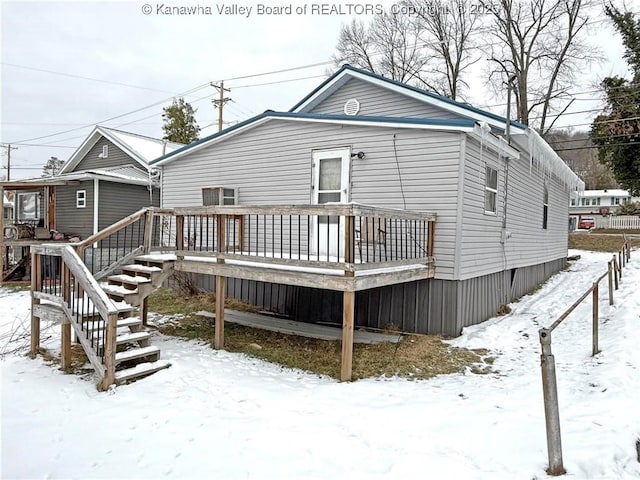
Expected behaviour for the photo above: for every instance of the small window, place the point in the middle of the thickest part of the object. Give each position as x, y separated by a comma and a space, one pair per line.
587, 201
218, 196
490, 190
105, 151
545, 207
81, 199
616, 200
573, 202
596, 201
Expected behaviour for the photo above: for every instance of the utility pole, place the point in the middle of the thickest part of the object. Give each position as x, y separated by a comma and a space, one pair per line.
9, 148
219, 104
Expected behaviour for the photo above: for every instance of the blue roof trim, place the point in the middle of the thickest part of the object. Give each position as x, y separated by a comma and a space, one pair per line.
415, 89
436, 122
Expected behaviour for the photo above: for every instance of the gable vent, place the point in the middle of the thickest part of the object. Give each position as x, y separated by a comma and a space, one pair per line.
352, 107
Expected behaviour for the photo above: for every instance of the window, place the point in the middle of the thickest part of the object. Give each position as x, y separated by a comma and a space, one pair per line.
573, 202
81, 199
105, 151
28, 206
490, 190
219, 196
587, 201
545, 207
616, 200
596, 201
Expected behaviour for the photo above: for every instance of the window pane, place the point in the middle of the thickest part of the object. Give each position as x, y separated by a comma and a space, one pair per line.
330, 174
228, 192
490, 201
210, 196
328, 197
492, 178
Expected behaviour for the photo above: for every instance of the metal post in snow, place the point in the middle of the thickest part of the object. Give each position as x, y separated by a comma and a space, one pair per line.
551, 410
610, 281
594, 329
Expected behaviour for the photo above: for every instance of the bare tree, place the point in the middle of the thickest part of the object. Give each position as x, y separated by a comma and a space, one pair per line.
421, 42
540, 44
388, 46
447, 31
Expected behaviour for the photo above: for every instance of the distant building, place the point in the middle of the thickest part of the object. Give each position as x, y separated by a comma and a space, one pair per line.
597, 203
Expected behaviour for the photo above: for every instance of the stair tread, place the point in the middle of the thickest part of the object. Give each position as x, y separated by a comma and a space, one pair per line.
132, 337
129, 322
119, 290
140, 268
141, 370
128, 279
136, 353
159, 257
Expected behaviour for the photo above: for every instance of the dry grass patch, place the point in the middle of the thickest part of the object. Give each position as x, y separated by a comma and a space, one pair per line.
599, 243
79, 360
415, 356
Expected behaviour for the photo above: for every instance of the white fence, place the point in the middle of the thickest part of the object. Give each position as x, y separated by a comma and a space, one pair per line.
618, 221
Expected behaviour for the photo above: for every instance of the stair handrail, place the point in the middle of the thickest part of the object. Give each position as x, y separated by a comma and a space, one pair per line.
105, 232
104, 306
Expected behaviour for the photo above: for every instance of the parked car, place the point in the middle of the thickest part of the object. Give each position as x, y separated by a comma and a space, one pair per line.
587, 222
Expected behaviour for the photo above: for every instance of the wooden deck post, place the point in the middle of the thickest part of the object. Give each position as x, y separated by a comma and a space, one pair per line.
110, 352
219, 326
65, 354
615, 271
36, 284
610, 281
179, 234
348, 309
594, 328
221, 236
148, 231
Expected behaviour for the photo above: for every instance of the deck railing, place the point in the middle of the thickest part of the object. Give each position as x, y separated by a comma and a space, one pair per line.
116, 245
60, 278
350, 237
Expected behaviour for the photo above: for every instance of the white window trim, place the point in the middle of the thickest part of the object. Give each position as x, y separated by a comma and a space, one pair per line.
488, 189
81, 199
221, 196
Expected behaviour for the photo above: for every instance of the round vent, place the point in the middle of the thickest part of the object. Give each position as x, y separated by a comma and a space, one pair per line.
352, 107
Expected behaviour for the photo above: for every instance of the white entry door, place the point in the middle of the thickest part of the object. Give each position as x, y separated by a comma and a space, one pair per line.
330, 185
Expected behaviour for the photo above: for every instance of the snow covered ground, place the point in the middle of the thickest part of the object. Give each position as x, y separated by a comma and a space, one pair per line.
226, 416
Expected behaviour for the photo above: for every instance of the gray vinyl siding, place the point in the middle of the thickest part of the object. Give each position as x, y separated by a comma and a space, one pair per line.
481, 251
271, 164
117, 200
376, 100
115, 158
69, 218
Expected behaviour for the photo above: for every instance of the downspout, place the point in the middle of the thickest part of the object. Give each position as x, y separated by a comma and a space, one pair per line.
96, 196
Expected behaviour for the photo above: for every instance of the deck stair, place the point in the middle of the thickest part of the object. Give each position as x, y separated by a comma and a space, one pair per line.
135, 356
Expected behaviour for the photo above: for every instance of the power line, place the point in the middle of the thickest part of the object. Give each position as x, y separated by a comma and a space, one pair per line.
62, 74
195, 89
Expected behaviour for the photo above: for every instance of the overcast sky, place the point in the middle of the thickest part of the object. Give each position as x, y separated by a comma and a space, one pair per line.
134, 43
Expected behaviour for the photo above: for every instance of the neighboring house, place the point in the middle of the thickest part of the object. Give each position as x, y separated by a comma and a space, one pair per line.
501, 208
598, 202
107, 178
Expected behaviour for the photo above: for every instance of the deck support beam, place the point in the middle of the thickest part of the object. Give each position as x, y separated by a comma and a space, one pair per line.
348, 310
